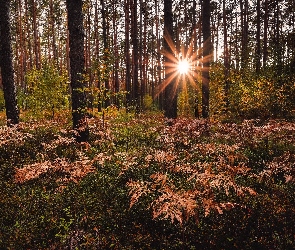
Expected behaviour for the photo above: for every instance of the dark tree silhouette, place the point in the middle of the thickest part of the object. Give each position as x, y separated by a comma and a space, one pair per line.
207, 49
170, 92
7, 71
76, 39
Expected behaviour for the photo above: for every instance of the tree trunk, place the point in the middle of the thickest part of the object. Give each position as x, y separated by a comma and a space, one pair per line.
135, 52
265, 36
7, 73
76, 40
226, 56
170, 92
258, 33
245, 33
106, 53
36, 36
127, 53
116, 54
207, 48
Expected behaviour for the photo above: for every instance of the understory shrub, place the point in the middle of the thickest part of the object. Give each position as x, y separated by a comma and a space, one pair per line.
143, 183
46, 92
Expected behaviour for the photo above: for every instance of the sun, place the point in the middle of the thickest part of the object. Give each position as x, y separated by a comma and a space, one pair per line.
183, 67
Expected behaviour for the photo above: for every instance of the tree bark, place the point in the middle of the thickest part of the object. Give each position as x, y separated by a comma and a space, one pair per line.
226, 55
207, 48
258, 33
7, 72
107, 101
76, 40
127, 53
265, 35
170, 92
135, 52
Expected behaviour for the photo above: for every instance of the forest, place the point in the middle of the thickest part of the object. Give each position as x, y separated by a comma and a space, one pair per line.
162, 124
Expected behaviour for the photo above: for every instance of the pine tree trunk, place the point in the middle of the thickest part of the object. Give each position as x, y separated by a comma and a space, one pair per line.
36, 47
226, 55
105, 34
7, 72
135, 52
116, 54
258, 33
207, 48
76, 40
127, 53
170, 92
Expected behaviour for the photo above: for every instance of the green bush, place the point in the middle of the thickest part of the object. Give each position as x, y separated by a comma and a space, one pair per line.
46, 92
2, 101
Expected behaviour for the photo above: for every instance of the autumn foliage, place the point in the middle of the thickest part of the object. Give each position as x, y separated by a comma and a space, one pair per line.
143, 182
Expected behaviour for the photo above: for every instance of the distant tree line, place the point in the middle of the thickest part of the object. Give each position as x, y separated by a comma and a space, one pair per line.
123, 44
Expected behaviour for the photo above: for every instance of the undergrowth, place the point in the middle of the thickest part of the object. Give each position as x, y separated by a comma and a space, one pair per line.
142, 182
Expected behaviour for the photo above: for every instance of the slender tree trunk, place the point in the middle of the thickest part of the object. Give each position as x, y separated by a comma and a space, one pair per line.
127, 53
106, 100
144, 89
76, 40
195, 41
226, 56
245, 33
207, 49
21, 56
116, 53
141, 52
157, 67
7, 73
258, 33
135, 52
170, 92
28, 32
53, 32
278, 45
36, 36
96, 54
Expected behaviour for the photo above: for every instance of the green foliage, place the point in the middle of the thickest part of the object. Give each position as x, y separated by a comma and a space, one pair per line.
251, 96
148, 102
2, 101
217, 92
186, 102
142, 184
47, 91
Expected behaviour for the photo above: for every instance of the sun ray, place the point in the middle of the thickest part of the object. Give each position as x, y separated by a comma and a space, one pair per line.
185, 65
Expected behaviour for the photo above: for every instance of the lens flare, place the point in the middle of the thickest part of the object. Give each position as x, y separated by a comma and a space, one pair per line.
183, 67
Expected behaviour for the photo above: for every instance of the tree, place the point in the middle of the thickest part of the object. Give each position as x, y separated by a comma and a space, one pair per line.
244, 5
170, 92
76, 40
258, 34
265, 35
7, 72
106, 53
127, 52
135, 51
226, 54
207, 48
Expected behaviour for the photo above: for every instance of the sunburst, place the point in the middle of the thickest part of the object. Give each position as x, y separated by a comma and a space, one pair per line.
185, 66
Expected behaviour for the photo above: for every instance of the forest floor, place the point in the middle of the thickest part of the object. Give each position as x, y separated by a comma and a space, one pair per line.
142, 182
